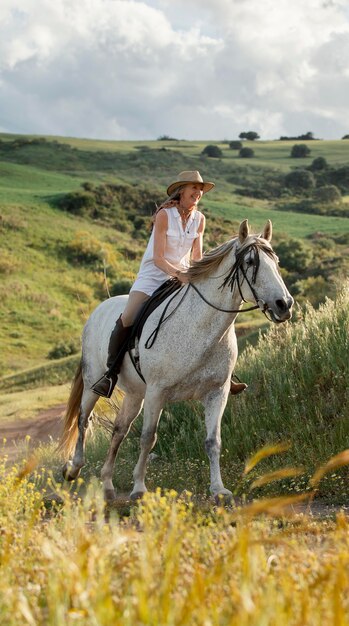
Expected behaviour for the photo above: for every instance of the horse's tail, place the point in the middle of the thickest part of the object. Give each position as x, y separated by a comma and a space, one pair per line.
70, 428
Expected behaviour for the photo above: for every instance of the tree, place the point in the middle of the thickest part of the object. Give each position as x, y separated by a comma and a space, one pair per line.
300, 150
246, 153
345, 137
235, 145
300, 180
212, 151
251, 135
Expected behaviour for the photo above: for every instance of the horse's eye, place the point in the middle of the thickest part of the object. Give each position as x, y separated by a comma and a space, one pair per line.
249, 261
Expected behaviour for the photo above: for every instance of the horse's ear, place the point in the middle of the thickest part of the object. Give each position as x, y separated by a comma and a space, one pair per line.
268, 231
243, 231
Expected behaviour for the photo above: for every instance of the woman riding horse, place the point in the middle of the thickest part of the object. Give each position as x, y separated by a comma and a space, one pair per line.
176, 239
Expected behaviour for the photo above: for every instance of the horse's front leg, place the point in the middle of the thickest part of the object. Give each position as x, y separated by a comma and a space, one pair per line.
214, 404
71, 469
153, 404
131, 407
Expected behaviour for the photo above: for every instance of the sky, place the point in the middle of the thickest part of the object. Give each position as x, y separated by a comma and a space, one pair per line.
190, 69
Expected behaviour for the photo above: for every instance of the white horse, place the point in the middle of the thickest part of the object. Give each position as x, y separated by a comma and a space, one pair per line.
193, 356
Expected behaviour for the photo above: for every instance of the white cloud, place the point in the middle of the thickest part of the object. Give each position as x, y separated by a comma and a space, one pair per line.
189, 68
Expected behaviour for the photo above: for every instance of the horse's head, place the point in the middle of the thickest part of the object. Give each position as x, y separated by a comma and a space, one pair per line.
257, 276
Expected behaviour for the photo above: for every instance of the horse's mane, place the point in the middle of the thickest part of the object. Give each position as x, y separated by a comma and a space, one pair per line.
212, 259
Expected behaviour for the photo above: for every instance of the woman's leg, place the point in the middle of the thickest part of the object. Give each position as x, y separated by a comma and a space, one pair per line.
118, 344
135, 301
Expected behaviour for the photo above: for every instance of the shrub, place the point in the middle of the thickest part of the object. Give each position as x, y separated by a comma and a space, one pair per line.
318, 164
78, 202
121, 287
212, 151
340, 178
300, 150
65, 348
327, 193
88, 250
345, 137
294, 254
300, 180
235, 145
246, 153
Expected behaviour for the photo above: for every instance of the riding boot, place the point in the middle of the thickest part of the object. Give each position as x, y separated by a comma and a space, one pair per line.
236, 388
116, 352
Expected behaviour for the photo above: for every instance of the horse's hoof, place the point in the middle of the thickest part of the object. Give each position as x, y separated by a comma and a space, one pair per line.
224, 498
109, 496
69, 471
137, 495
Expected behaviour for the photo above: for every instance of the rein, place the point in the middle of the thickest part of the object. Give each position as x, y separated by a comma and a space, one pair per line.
233, 277
252, 308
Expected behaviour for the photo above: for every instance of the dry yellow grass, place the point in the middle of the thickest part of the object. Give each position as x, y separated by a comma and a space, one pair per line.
166, 564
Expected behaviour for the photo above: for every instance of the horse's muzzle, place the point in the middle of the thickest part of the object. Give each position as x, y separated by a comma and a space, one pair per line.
279, 311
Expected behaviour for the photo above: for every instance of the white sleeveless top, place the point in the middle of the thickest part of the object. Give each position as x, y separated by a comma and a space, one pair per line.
179, 243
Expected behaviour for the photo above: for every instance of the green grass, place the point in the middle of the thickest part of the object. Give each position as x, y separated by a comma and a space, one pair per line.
45, 298
285, 223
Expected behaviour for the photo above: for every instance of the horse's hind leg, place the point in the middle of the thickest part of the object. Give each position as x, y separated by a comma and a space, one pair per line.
71, 469
152, 413
131, 407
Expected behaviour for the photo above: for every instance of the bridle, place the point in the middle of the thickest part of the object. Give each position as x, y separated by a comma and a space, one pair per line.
234, 278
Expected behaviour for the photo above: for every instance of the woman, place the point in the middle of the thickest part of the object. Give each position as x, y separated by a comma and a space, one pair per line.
176, 239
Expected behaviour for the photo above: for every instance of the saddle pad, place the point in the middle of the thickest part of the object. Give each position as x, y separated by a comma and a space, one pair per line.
166, 289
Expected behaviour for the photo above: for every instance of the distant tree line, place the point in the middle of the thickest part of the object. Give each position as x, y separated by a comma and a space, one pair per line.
306, 137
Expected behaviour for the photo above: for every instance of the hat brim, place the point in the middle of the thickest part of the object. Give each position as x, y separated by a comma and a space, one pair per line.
206, 186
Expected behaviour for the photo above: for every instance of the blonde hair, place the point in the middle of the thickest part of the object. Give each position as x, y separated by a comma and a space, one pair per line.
210, 261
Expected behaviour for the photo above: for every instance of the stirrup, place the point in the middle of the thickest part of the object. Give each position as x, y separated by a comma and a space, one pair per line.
104, 386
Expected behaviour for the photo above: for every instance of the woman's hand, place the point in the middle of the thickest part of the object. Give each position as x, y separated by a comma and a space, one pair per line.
182, 277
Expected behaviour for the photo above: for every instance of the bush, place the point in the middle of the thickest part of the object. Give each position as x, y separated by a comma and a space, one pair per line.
88, 250
327, 193
246, 153
295, 255
235, 145
340, 178
299, 180
318, 164
121, 287
78, 202
65, 348
212, 151
300, 150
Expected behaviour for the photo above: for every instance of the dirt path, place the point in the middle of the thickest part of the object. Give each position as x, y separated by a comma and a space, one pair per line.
46, 424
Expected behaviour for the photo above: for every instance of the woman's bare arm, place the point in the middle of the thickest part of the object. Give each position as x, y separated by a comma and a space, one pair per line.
160, 230
196, 251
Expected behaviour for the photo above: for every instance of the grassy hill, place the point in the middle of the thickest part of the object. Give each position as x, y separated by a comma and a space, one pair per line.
53, 261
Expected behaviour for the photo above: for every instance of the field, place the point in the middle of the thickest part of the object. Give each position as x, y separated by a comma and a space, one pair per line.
168, 563
173, 559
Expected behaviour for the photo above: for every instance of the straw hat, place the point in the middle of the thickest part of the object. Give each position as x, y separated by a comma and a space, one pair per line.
189, 177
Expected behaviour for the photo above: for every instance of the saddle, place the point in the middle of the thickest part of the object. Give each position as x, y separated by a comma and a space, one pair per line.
165, 290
